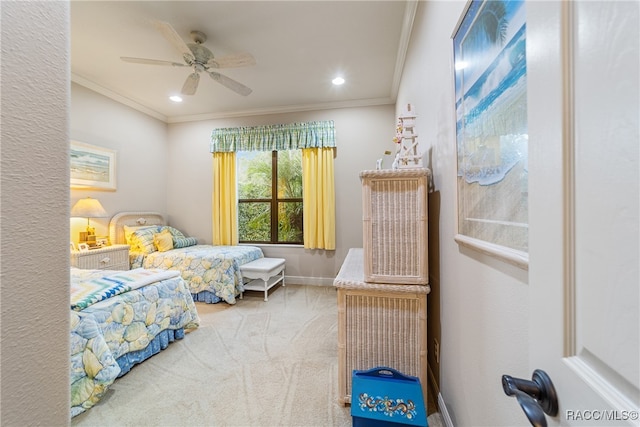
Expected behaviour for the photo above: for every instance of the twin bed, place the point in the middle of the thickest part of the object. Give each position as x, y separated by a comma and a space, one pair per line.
212, 273
121, 318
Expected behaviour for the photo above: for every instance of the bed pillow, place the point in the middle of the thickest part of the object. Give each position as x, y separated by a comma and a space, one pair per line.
179, 239
175, 233
163, 241
141, 238
129, 230
184, 242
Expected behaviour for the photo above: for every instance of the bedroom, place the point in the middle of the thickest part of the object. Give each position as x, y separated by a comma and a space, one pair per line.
171, 141
471, 315
177, 163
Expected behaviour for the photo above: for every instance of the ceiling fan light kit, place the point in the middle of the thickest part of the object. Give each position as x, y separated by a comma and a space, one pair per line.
201, 59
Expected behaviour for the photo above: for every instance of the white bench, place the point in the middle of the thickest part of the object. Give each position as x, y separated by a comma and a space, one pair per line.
265, 272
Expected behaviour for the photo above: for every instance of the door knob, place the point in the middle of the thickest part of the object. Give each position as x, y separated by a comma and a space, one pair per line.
536, 397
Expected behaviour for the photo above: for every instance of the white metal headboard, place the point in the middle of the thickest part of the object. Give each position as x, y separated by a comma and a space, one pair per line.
119, 220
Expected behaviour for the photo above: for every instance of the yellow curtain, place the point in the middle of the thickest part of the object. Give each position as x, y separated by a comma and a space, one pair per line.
319, 203
225, 217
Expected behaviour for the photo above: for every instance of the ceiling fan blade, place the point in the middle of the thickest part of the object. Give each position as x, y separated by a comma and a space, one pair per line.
172, 36
191, 84
151, 61
230, 83
232, 61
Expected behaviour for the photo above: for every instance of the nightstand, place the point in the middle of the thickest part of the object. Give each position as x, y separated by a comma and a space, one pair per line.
114, 257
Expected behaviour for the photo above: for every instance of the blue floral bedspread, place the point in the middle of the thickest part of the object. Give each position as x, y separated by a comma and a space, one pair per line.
108, 337
91, 286
215, 269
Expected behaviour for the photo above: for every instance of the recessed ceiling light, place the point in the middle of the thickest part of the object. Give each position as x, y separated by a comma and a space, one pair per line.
175, 98
337, 81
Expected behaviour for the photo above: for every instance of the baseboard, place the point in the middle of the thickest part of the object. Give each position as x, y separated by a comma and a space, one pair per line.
312, 281
442, 408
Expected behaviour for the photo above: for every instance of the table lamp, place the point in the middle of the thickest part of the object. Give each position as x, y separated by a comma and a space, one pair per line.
88, 208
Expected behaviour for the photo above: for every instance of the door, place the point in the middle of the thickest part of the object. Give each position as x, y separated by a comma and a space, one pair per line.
582, 70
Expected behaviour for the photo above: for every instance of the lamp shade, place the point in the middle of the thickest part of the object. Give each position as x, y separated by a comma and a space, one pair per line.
88, 208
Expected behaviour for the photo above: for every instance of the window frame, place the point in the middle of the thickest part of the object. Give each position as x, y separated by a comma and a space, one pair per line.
274, 202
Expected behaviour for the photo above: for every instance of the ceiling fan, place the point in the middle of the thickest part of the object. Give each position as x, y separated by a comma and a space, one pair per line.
201, 59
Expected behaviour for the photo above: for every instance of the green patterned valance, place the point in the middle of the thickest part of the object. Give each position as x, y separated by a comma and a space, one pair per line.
274, 137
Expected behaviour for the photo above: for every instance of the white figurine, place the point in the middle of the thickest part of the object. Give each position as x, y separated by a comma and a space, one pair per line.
394, 165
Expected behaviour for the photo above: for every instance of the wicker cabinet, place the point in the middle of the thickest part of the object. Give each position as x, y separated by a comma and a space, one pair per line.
383, 287
395, 226
114, 257
379, 325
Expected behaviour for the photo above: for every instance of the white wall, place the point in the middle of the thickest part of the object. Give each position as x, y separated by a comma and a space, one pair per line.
168, 168
478, 305
34, 273
140, 142
362, 135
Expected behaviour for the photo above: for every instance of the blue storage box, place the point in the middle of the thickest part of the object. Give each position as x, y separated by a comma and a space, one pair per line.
383, 396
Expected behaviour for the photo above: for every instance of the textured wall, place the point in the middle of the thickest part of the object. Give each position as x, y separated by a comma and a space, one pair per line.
140, 142
478, 307
34, 202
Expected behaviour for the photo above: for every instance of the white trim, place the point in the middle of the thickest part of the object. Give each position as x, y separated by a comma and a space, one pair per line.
403, 46
75, 78
617, 392
228, 114
442, 408
283, 109
518, 258
493, 221
312, 281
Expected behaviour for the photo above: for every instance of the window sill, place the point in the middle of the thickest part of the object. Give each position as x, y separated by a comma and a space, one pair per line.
272, 245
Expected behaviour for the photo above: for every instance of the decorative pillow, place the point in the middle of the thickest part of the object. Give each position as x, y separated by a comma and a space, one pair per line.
163, 241
183, 242
177, 234
129, 230
141, 238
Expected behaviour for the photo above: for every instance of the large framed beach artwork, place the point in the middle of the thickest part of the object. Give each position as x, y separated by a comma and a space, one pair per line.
92, 167
491, 129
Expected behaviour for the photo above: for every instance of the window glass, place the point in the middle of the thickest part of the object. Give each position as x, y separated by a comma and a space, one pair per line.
270, 196
290, 221
254, 174
290, 174
254, 222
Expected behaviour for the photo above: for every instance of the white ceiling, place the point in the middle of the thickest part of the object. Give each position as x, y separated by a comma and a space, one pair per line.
299, 46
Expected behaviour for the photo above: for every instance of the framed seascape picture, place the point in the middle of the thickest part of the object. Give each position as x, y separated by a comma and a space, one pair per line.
489, 57
92, 167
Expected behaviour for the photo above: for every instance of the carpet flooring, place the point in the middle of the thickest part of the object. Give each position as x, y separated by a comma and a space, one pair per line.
255, 363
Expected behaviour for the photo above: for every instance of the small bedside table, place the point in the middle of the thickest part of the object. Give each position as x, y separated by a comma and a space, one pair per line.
114, 257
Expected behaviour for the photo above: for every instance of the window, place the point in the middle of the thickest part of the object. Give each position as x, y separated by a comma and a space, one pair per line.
270, 196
